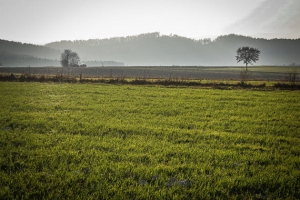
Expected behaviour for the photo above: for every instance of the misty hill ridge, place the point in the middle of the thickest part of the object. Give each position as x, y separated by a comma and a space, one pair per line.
152, 49
8, 59
16, 54
156, 49
28, 49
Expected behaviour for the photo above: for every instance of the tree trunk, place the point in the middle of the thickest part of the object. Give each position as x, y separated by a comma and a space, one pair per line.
246, 67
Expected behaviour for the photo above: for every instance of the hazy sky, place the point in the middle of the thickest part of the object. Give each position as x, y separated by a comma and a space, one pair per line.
42, 21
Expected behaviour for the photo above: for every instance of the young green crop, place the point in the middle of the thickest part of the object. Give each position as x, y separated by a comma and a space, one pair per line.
90, 141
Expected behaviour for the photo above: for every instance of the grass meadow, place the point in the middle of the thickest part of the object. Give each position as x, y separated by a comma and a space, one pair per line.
98, 141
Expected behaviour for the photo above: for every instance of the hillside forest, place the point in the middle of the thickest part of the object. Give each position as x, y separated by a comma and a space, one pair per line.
152, 49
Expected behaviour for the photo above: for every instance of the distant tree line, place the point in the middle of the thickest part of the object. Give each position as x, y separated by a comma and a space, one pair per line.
28, 49
157, 49
153, 49
103, 63
16, 54
14, 60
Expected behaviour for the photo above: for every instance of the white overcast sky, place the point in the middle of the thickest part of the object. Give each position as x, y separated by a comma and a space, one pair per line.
42, 21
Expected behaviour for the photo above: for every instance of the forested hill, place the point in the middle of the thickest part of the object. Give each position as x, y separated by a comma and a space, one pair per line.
8, 59
16, 54
156, 49
152, 49
29, 49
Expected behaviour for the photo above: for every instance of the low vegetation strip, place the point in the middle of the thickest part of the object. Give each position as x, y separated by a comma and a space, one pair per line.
99, 141
227, 84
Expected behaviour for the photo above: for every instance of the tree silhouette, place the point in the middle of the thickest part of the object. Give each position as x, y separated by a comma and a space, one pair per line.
248, 55
69, 58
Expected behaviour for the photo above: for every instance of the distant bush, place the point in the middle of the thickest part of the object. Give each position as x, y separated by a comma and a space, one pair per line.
292, 76
10, 77
287, 86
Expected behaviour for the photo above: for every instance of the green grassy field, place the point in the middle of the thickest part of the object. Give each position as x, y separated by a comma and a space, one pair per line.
97, 141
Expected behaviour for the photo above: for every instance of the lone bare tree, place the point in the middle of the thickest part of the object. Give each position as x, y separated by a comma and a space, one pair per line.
69, 58
248, 55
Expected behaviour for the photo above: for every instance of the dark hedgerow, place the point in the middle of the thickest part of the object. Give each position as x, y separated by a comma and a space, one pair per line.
144, 81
